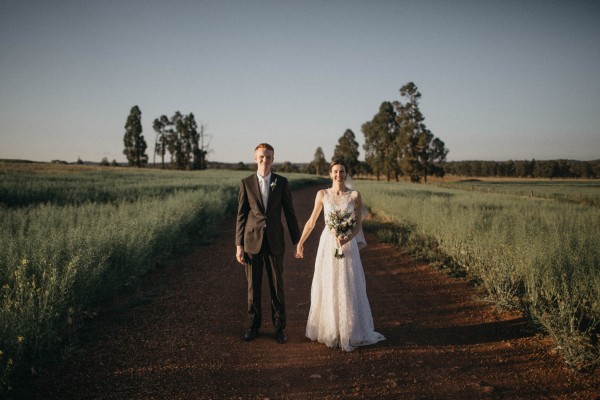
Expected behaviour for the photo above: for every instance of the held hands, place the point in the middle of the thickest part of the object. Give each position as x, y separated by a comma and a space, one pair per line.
343, 239
299, 251
239, 255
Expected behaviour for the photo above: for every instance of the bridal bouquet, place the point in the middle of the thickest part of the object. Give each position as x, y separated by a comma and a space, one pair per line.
340, 222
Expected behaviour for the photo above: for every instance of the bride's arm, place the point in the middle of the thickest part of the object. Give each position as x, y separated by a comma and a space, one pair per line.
357, 213
310, 224
357, 216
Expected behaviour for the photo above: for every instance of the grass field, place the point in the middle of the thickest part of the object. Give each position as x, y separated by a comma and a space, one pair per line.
535, 254
71, 236
574, 191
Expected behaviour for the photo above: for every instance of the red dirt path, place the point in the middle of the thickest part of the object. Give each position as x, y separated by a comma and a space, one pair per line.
179, 336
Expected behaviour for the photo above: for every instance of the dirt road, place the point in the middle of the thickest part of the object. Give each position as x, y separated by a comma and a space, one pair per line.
179, 336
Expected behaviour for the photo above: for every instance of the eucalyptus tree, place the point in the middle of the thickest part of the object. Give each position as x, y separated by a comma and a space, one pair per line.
175, 142
319, 164
186, 132
419, 153
347, 150
380, 136
436, 154
135, 144
179, 136
200, 148
162, 127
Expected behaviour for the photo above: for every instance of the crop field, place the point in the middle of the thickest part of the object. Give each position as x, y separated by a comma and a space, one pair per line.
573, 191
71, 236
538, 255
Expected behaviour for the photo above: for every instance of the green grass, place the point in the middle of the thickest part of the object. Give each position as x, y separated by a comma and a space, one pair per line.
574, 191
72, 237
538, 255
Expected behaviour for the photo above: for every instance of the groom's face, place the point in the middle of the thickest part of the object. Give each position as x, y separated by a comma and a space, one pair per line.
264, 160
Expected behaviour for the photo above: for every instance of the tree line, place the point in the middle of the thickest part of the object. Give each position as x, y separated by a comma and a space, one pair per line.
397, 143
526, 169
178, 136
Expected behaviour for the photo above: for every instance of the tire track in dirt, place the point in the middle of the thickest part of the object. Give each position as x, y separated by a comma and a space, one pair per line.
179, 336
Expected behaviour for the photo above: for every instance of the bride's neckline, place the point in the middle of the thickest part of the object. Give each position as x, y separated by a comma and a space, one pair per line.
334, 193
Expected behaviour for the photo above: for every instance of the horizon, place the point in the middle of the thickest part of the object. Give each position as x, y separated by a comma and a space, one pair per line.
152, 164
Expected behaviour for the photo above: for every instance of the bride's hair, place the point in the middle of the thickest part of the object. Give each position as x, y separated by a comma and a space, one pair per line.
338, 161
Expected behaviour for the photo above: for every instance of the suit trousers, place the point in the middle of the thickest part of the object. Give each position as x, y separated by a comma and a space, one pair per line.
273, 265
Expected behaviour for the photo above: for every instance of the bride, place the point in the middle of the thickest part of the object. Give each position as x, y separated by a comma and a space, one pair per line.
340, 315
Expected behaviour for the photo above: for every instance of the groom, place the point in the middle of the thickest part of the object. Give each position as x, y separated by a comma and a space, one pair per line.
260, 238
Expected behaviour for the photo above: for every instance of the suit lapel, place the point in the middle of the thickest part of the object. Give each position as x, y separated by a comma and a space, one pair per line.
273, 188
256, 189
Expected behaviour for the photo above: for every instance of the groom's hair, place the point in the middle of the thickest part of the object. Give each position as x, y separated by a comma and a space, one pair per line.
265, 146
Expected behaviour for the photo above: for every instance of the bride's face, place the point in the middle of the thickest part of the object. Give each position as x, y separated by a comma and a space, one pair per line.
338, 173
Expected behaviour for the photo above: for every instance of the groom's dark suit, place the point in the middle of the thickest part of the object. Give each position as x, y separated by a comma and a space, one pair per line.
261, 233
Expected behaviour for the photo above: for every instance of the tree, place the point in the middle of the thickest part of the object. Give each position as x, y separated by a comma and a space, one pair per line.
104, 162
288, 167
419, 155
162, 127
319, 165
380, 134
135, 145
435, 158
200, 148
347, 150
180, 137
174, 142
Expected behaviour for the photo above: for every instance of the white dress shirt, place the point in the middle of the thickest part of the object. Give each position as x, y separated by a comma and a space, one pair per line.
263, 183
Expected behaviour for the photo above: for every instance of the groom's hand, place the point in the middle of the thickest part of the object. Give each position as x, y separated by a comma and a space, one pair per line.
299, 251
239, 255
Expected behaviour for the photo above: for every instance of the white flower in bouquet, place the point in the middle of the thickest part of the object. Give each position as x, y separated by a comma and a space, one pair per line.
340, 222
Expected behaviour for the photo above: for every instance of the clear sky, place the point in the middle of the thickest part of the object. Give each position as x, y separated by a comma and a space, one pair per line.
499, 80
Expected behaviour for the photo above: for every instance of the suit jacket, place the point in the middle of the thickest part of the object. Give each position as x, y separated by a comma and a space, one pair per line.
252, 217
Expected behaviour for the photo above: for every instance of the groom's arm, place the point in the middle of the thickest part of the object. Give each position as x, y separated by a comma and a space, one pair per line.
290, 213
242, 218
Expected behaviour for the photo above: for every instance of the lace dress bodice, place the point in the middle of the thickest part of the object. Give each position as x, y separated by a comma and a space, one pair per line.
334, 201
344, 202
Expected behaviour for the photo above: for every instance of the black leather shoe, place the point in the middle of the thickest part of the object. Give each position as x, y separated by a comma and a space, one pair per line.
280, 337
251, 334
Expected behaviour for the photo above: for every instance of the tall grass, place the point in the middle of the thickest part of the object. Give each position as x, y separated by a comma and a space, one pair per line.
572, 191
70, 239
539, 255
65, 186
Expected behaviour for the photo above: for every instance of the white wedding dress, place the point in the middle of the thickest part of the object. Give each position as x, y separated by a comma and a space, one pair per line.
340, 315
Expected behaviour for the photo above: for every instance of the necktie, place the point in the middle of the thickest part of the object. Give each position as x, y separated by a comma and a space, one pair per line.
264, 190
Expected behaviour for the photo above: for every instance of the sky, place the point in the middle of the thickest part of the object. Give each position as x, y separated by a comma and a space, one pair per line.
500, 80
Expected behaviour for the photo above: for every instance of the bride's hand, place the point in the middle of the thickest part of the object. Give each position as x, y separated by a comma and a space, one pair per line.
343, 239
